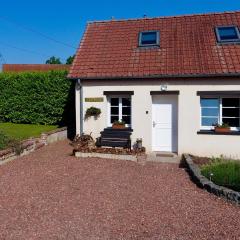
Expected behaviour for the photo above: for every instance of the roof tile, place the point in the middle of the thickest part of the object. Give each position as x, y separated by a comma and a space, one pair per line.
187, 46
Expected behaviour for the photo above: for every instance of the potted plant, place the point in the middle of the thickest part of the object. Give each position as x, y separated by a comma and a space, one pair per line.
92, 112
118, 124
222, 128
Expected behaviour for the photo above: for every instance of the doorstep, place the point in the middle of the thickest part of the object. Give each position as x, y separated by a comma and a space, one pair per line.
164, 157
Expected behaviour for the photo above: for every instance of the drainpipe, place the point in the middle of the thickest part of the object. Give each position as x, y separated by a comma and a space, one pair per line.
79, 107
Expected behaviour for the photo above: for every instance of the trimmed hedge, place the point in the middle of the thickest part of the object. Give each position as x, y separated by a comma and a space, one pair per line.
36, 97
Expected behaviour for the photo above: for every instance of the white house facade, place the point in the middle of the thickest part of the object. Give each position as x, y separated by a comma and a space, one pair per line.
169, 86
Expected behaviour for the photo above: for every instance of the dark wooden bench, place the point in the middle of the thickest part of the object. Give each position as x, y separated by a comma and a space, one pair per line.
115, 138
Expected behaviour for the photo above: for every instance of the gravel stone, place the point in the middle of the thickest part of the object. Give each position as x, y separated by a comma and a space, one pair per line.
50, 194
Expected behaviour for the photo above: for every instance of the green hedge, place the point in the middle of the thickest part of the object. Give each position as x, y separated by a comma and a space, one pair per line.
36, 97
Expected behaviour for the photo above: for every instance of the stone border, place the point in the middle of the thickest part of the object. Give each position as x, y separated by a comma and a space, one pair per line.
33, 144
106, 155
205, 183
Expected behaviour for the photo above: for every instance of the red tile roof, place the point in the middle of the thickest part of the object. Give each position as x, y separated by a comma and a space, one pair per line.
188, 46
34, 67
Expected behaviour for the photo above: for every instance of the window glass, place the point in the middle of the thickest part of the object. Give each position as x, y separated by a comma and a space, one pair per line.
148, 38
230, 102
114, 110
231, 111
228, 33
114, 118
126, 119
126, 101
210, 121
232, 122
209, 111
209, 102
114, 102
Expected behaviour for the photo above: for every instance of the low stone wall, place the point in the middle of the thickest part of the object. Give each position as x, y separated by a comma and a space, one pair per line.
32, 144
56, 135
205, 183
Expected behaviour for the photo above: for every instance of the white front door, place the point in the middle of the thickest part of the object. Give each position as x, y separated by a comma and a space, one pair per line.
164, 123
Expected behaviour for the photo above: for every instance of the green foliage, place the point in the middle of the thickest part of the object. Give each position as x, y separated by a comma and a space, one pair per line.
92, 111
119, 122
53, 60
36, 97
70, 60
24, 131
4, 140
223, 172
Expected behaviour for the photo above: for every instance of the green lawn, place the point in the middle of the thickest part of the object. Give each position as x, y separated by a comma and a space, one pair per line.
24, 131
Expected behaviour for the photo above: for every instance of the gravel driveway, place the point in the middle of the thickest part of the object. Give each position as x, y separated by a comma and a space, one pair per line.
52, 195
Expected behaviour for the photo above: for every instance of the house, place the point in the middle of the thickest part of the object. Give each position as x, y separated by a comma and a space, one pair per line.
169, 78
33, 67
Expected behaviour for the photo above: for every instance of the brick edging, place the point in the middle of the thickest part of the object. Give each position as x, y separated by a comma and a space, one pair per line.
205, 183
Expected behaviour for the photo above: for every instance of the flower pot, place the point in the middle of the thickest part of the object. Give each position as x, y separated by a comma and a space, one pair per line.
222, 130
118, 126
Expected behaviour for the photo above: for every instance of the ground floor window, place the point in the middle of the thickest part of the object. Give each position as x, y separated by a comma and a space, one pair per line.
120, 109
220, 110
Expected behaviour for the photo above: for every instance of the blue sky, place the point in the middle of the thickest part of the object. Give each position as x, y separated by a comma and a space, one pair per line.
65, 21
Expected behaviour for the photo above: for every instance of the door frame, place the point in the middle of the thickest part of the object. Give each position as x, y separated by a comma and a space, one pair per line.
166, 93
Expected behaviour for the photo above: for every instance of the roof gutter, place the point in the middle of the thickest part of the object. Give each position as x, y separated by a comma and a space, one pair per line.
162, 76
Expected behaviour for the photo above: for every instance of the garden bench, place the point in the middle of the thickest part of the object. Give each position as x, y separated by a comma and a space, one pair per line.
115, 138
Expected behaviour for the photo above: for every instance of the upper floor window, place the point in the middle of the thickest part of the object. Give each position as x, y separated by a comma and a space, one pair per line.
150, 38
228, 34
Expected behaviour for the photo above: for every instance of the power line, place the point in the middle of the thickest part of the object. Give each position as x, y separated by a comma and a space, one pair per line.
36, 32
23, 49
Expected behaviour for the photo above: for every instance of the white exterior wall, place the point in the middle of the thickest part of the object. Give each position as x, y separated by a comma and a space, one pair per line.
188, 117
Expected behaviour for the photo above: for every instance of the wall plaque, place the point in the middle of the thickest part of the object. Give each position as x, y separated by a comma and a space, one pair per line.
96, 99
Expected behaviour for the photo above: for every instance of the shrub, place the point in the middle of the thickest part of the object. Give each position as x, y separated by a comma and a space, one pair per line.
4, 140
223, 172
36, 97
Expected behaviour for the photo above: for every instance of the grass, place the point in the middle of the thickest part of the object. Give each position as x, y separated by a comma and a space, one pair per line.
224, 172
24, 131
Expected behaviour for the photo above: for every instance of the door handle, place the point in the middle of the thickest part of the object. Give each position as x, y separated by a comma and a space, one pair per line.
154, 124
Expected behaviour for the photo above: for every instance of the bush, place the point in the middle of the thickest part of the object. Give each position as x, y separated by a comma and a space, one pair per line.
223, 172
4, 141
36, 97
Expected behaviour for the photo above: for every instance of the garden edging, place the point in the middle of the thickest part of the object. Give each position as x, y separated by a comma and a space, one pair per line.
32, 144
205, 183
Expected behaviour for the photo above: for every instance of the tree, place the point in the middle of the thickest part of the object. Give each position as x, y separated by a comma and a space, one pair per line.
53, 60
70, 60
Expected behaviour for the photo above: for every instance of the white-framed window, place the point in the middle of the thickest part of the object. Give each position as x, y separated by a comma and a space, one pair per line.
219, 110
120, 108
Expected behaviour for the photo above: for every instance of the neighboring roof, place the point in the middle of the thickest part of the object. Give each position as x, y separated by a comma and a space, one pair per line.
188, 47
33, 67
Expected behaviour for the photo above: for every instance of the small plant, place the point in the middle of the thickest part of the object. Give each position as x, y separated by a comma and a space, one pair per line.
16, 145
222, 128
223, 125
92, 112
119, 122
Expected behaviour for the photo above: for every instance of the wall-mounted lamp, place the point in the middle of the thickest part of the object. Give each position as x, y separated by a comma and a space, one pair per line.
164, 87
